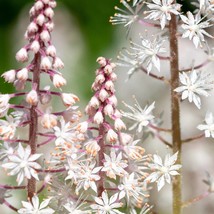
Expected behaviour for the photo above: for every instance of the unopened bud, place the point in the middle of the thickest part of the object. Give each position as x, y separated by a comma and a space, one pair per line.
108, 69
48, 121
32, 97
103, 95
100, 78
51, 51
49, 12
50, 26
82, 127
69, 99
35, 46
21, 55
94, 102
119, 124
109, 85
23, 74
113, 76
111, 136
113, 100
98, 118
45, 36
58, 81
58, 64
108, 110
38, 5
101, 61
45, 63
32, 28
40, 20
52, 4
9, 76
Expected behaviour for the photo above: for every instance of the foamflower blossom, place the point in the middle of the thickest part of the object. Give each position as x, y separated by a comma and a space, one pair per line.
75, 207
142, 117
147, 53
106, 205
35, 207
163, 171
208, 127
194, 85
23, 164
161, 10
194, 28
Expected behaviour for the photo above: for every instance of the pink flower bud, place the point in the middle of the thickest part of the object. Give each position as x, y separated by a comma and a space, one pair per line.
117, 114
48, 121
50, 26
100, 78
38, 5
58, 81
9, 76
111, 136
113, 65
108, 69
35, 46
98, 118
101, 61
108, 110
82, 127
113, 76
40, 20
32, 28
45, 36
109, 85
45, 63
125, 138
32, 11
58, 64
52, 4
92, 147
119, 124
113, 100
22, 74
32, 97
46, 1
4, 100
69, 99
19, 84
21, 55
51, 51
94, 102
103, 95
49, 12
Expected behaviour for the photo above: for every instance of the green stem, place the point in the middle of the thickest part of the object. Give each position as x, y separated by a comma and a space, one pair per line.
175, 111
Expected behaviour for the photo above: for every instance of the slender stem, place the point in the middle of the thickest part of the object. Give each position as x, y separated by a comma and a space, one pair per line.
188, 140
11, 187
10, 205
101, 158
175, 111
196, 67
163, 140
34, 123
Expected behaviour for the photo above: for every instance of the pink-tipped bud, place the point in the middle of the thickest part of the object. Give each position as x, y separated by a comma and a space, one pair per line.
108, 69
9, 76
103, 95
32, 98
117, 114
113, 76
102, 61
51, 51
19, 85
45, 63
109, 85
49, 12
45, 36
50, 26
125, 138
38, 5
98, 118
58, 64
58, 81
32, 28
94, 102
46, 1
21, 55
82, 127
69, 99
48, 121
113, 100
22, 74
35, 46
40, 20
100, 78
108, 110
32, 11
119, 124
52, 4
111, 136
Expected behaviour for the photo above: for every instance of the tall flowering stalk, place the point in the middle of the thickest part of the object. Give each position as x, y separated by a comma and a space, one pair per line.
191, 82
34, 115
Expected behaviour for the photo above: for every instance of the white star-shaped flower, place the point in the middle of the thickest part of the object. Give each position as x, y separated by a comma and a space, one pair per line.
104, 205
161, 10
194, 28
35, 207
141, 116
208, 128
23, 164
194, 84
163, 171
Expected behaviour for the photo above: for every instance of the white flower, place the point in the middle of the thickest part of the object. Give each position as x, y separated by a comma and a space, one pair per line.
75, 207
163, 171
104, 205
145, 210
126, 16
141, 116
87, 176
23, 164
6, 150
4, 104
132, 189
194, 28
161, 10
114, 165
194, 84
35, 207
64, 133
147, 52
208, 128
